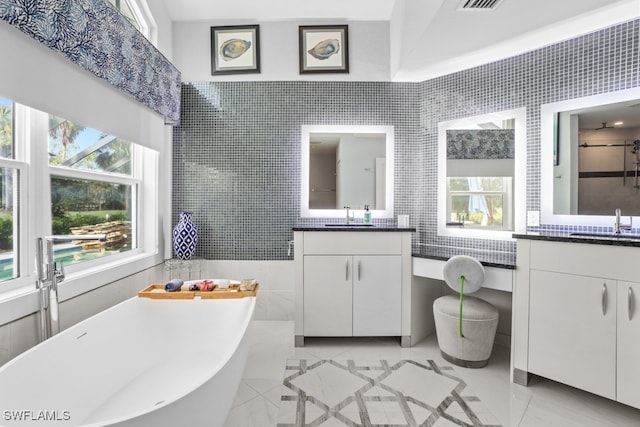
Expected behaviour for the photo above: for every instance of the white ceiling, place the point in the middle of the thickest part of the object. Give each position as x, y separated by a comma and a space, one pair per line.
431, 37
279, 10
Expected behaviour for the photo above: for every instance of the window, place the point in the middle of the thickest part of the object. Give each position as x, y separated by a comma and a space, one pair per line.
138, 14
480, 202
74, 179
9, 179
124, 8
75, 146
93, 190
6, 129
481, 175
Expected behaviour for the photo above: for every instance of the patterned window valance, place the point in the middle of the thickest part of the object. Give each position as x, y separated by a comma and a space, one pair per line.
480, 144
94, 35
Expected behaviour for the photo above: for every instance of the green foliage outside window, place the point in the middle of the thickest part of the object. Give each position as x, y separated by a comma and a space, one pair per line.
489, 192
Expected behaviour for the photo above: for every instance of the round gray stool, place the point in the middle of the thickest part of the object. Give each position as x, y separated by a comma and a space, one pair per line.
465, 326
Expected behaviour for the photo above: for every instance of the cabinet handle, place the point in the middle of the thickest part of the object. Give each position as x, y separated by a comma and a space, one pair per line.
358, 270
630, 302
604, 299
346, 269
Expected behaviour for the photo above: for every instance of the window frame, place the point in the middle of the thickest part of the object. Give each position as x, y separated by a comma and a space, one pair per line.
34, 217
21, 233
507, 201
143, 16
134, 182
519, 175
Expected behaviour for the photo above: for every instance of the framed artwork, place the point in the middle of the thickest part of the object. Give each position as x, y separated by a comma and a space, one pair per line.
324, 49
235, 49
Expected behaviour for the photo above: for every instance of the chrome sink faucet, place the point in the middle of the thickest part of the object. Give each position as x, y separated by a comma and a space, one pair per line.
618, 227
348, 217
48, 274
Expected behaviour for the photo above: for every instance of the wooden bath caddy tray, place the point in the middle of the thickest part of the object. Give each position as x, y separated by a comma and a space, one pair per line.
156, 291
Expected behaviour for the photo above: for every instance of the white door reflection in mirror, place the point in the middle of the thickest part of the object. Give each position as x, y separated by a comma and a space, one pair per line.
481, 175
346, 166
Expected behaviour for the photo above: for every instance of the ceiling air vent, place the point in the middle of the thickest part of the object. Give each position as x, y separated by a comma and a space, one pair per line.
478, 5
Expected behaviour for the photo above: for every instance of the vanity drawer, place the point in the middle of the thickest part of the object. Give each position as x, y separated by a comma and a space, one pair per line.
615, 262
352, 243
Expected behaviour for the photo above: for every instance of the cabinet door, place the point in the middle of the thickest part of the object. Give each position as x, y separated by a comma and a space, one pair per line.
377, 295
327, 296
572, 330
629, 343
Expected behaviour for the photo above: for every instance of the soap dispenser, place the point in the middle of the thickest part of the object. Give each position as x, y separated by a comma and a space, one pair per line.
367, 215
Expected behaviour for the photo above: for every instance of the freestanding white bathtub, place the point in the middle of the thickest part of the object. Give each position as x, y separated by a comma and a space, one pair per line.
144, 362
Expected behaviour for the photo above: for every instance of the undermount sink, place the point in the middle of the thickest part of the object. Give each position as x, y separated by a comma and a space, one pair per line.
607, 235
348, 225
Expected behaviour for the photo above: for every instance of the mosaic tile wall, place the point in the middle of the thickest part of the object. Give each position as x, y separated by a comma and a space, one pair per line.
236, 155
603, 61
236, 151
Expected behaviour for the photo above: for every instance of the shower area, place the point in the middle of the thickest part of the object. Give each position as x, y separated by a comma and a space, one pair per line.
597, 159
609, 175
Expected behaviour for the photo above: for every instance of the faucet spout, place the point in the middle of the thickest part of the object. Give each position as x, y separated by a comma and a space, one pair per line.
48, 274
618, 226
348, 217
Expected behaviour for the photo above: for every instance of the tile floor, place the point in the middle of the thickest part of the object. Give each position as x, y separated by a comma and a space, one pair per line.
544, 403
336, 393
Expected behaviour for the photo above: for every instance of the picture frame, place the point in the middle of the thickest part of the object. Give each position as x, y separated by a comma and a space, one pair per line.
235, 49
324, 49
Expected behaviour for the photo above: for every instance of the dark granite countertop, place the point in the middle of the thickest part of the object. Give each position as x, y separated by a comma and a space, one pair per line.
358, 227
487, 258
583, 237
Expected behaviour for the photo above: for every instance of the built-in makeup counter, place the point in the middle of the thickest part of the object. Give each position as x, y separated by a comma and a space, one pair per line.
355, 227
429, 260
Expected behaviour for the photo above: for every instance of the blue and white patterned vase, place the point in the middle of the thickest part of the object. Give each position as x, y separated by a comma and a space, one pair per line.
185, 237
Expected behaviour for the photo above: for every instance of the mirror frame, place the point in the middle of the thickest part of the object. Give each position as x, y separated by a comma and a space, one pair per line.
305, 132
547, 113
519, 175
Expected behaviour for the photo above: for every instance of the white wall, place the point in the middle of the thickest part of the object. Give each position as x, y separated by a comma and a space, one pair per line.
368, 53
276, 278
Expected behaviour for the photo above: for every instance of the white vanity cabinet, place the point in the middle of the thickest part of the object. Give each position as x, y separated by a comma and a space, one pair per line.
574, 317
328, 296
351, 283
352, 295
572, 330
628, 347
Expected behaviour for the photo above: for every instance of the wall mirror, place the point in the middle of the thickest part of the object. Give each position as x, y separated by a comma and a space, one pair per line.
346, 166
481, 178
590, 154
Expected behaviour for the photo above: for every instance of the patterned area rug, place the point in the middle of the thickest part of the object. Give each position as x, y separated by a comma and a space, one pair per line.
332, 393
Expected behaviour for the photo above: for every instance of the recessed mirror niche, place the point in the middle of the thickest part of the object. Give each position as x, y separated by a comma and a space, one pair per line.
346, 166
480, 175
